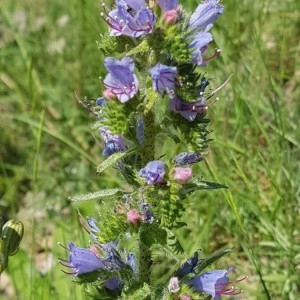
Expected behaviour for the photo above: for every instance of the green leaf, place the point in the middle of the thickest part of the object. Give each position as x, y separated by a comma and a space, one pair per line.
143, 292
202, 185
96, 195
111, 160
204, 263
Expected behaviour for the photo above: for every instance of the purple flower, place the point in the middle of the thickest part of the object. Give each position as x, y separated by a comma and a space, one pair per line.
199, 44
188, 266
147, 214
121, 80
82, 261
185, 158
166, 5
114, 284
215, 283
131, 260
188, 110
114, 145
204, 83
131, 18
163, 78
154, 172
140, 128
113, 142
100, 102
206, 13
92, 223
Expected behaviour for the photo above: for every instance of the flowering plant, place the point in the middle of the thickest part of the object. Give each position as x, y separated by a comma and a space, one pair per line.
155, 90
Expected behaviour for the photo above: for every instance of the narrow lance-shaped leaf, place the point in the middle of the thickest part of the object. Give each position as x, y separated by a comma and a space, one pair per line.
112, 159
96, 195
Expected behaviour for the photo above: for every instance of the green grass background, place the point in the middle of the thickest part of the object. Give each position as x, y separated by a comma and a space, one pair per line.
49, 58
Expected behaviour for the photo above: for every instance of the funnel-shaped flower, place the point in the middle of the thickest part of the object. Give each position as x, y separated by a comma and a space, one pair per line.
121, 80
131, 18
185, 158
82, 261
188, 110
166, 5
154, 172
215, 283
206, 13
198, 45
163, 78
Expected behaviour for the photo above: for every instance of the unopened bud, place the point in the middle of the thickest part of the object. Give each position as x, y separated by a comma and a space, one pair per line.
12, 234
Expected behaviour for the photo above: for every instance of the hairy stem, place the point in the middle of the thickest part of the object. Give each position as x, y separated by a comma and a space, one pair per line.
148, 151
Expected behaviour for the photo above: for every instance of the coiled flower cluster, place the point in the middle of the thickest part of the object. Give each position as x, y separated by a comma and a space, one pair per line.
154, 90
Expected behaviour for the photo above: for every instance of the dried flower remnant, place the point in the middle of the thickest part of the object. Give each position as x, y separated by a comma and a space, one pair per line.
173, 285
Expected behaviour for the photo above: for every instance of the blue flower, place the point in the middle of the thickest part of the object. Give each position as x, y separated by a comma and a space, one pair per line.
140, 128
166, 5
132, 262
215, 283
114, 284
188, 110
185, 158
113, 142
131, 18
114, 145
199, 44
204, 83
92, 223
163, 78
82, 261
121, 80
147, 213
206, 13
100, 102
154, 172
188, 266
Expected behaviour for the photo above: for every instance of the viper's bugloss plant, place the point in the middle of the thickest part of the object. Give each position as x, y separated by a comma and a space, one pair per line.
155, 87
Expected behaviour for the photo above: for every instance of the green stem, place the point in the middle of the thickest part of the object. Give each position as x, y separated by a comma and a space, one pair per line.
148, 151
145, 261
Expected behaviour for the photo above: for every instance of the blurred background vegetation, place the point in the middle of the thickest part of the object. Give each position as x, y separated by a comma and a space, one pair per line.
49, 60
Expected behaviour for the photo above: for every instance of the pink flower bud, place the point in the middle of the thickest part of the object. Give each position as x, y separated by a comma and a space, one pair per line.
95, 250
185, 297
170, 17
133, 216
109, 95
182, 175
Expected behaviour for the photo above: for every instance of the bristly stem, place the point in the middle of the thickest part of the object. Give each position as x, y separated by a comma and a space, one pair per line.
148, 151
144, 257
